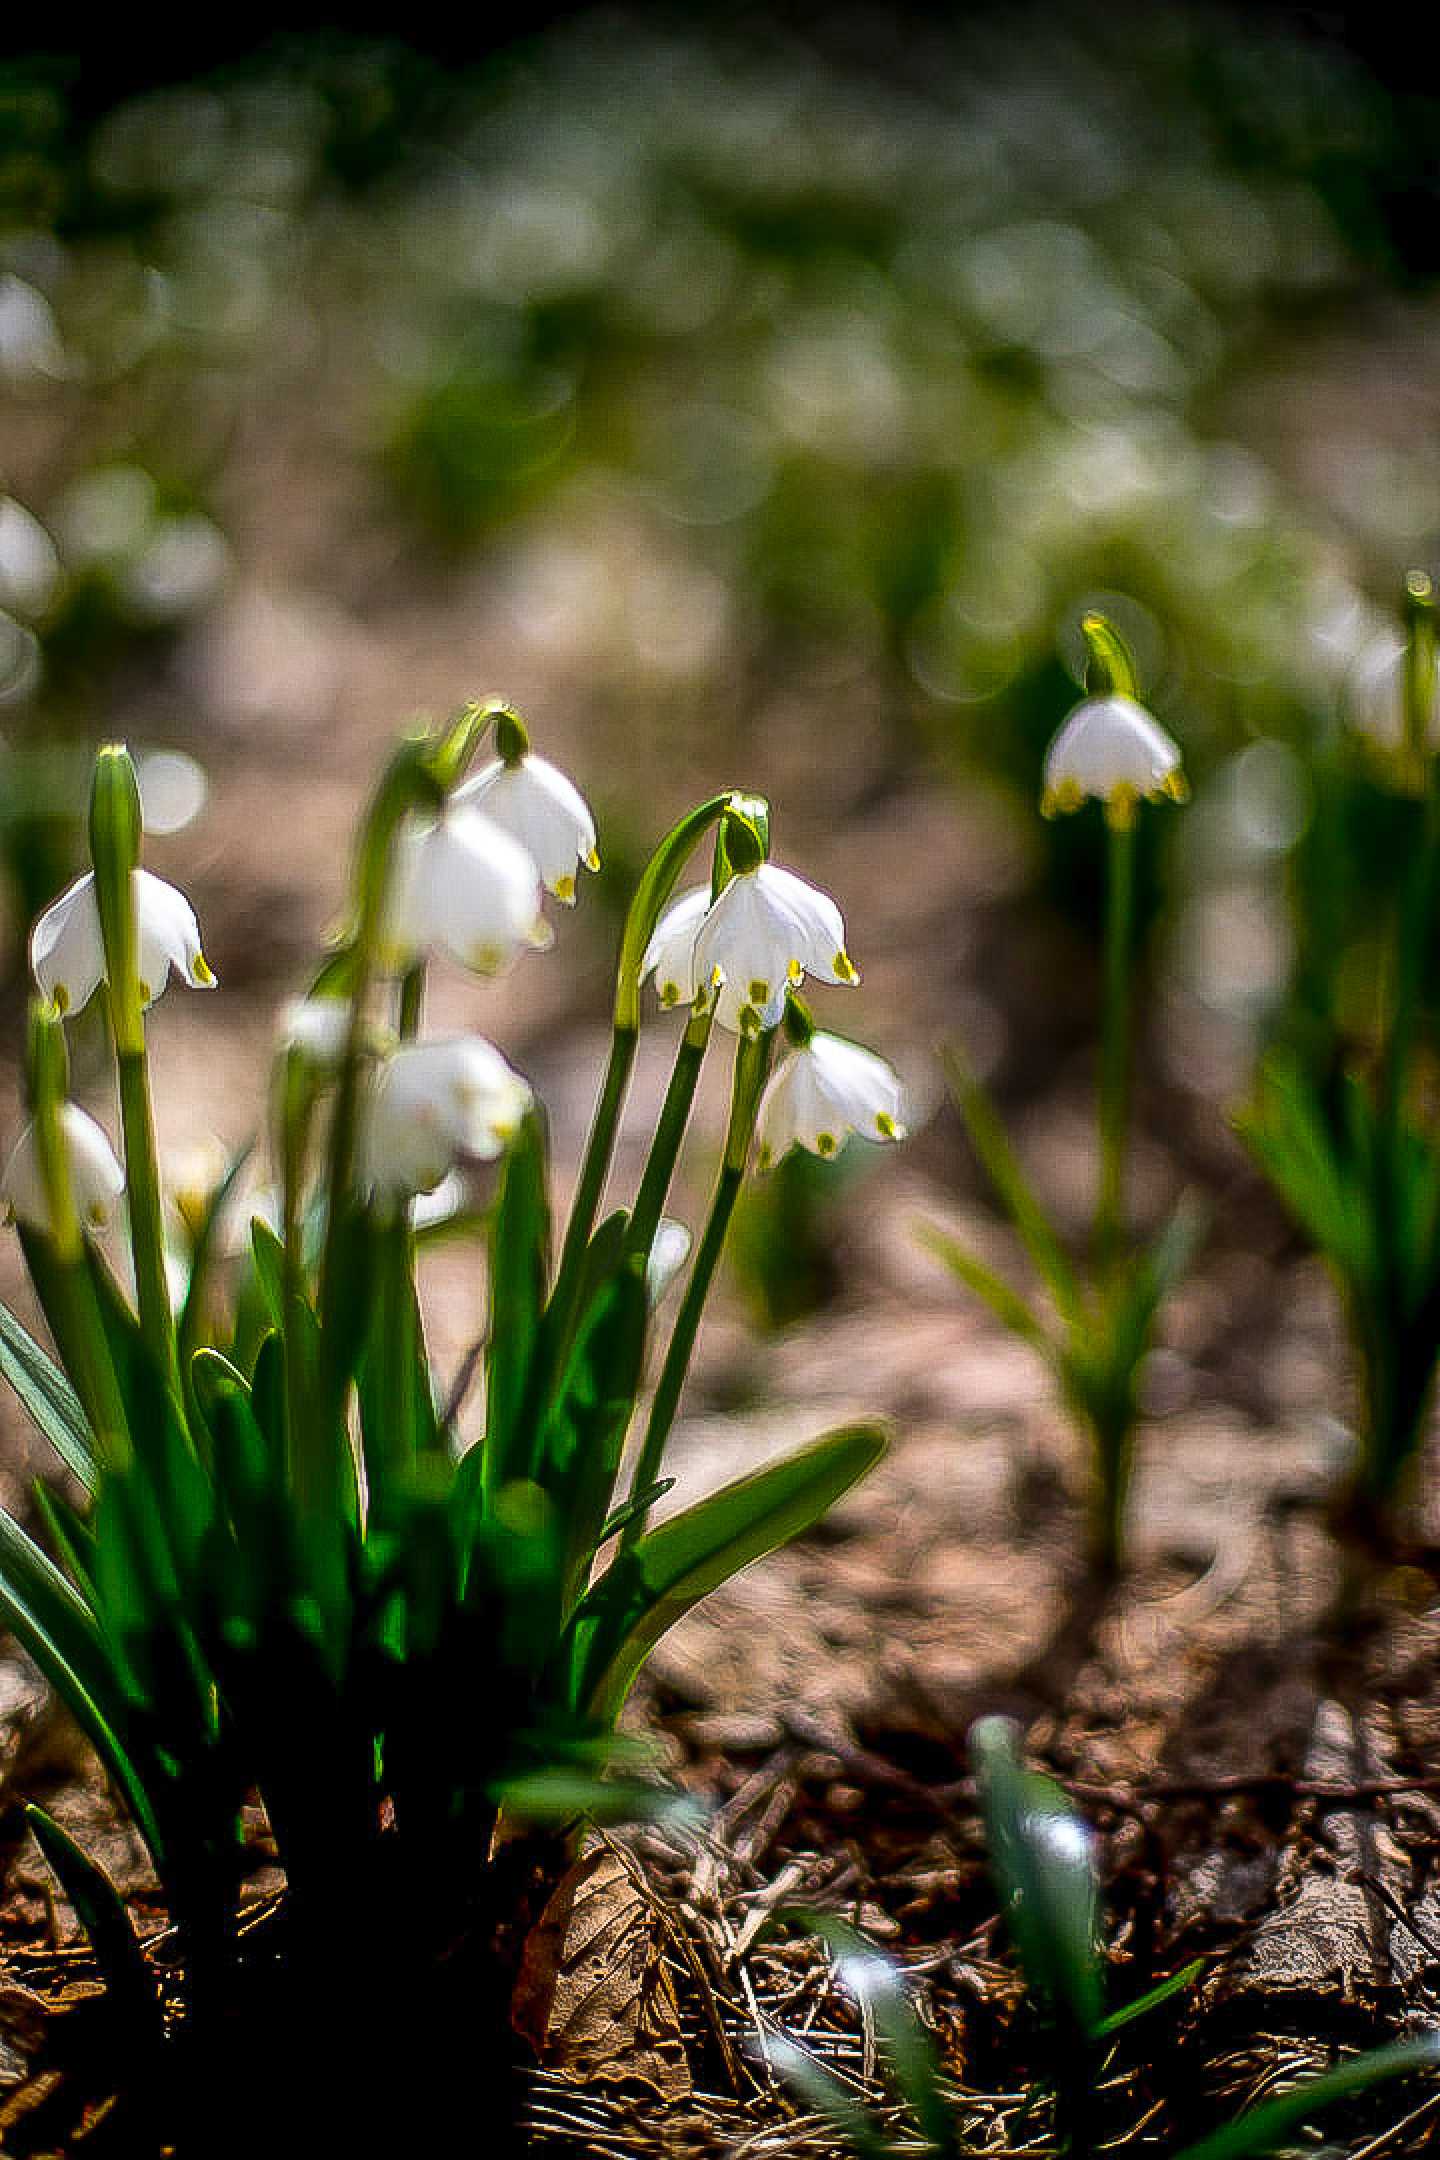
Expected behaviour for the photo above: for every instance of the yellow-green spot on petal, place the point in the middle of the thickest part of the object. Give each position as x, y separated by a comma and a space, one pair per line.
486, 960
203, 972
826, 1143
592, 860
766, 1157
565, 890
1121, 805
889, 1128
61, 999
845, 968
759, 991
795, 972
1176, 786
670, 993
146, 993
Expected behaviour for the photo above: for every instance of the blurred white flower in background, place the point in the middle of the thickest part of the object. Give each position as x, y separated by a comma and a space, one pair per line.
67, 950
96, 1178
434, 1105
537, 805
824, 1090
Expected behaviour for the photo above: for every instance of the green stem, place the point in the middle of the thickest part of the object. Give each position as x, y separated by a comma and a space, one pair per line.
412, 1002
752, 1064
669, 1133
593, 1171
142, 1186
1115, 1049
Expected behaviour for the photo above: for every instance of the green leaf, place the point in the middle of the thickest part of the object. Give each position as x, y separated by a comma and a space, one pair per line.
134, 1994
268, 1255
989, 1140
584, 1434
191, 1322
1006, 1304
646, 1590
910, 2052
1041, 1854
821, 2093
519, 1282
1151, 1999
55, 1627
1261, 2129
48, 1397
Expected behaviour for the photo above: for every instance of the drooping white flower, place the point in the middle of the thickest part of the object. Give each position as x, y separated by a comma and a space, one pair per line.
465, 887
767, 930
318, 1028
67, 950
96, 1178
1111, 748
825, 1089
537, 805
433, 1105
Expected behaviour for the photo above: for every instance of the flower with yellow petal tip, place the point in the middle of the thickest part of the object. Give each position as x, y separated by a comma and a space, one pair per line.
433, 1105
765, 933
825, 1089
67, 949
462, 886
537, 805
1111, 748
96, 1178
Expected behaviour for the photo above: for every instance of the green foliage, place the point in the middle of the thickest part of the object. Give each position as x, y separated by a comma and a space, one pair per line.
1042, 1861
288, 1575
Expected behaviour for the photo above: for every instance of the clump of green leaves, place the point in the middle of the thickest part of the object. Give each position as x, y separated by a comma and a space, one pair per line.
1100, 1318
1346, 1137
293, 1571
1043, 1863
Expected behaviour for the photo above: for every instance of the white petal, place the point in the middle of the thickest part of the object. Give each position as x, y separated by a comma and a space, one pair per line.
670, 955
538, 806
168, 936
464, 887
825, 1091
434, 1104
67, 952
318, 1027
820, 925
96, 1178
668, 1254
1109, 744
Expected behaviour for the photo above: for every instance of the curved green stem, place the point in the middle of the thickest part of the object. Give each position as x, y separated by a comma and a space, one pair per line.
669, 1133
752, 1064
1115, 1048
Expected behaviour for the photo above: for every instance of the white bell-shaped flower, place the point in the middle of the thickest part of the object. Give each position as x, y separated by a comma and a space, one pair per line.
537, 805
318, 1027
465, 887
96, 1178
1111, 748
433, 1105
825, 1089
67, 950
765, 933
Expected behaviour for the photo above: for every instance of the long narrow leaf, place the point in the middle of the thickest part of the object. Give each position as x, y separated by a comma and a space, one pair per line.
48, 1397
1262, 2128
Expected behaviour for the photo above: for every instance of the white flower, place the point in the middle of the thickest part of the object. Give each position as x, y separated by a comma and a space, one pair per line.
318, 1027
1111, 748
669, 1251
67, 951
433, 1105
764, 934
824, 1090
464, 887
96, 1178
534, 802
